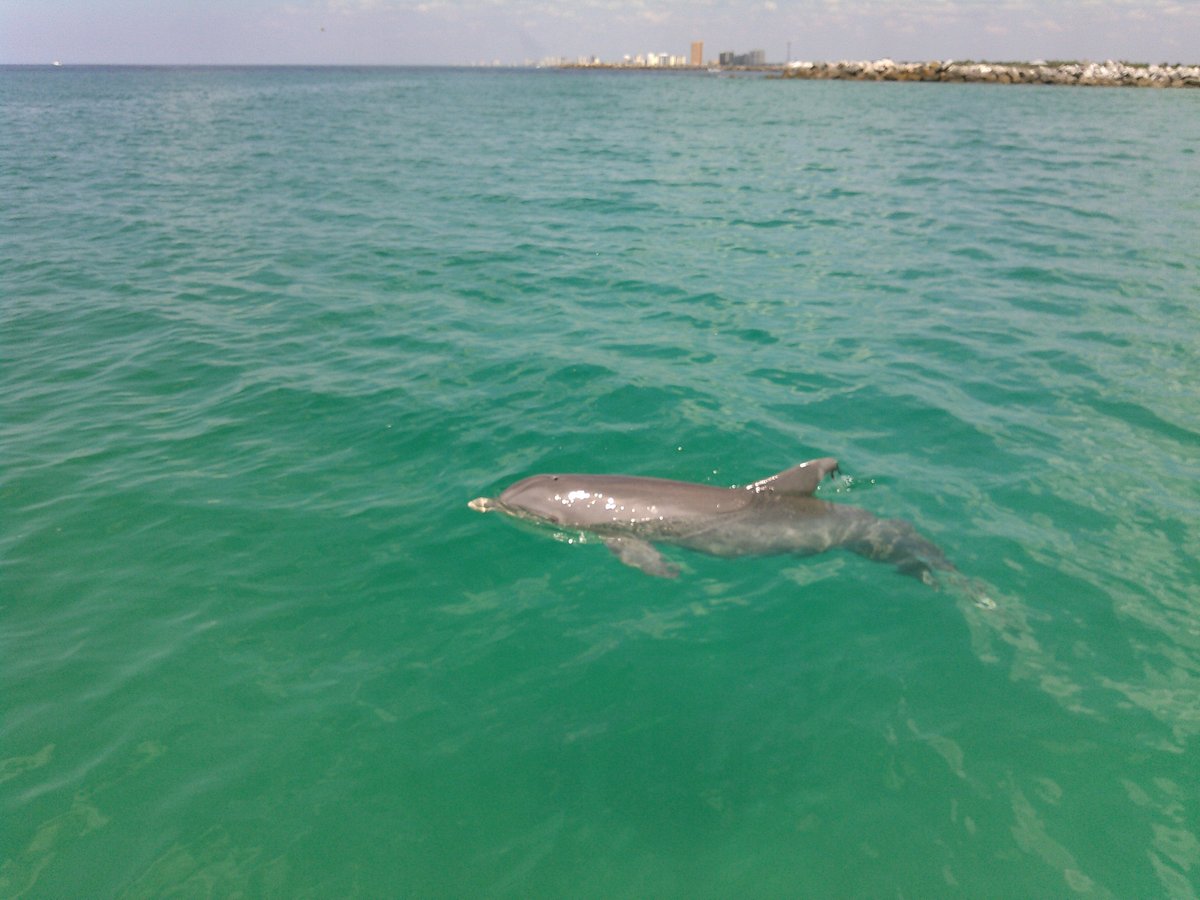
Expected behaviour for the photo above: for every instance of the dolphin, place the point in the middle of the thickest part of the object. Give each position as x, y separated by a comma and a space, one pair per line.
774, 515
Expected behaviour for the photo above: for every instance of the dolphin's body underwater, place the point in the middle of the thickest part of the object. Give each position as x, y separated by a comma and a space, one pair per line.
776, 515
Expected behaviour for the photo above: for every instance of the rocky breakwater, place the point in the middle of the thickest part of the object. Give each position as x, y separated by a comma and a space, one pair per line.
1106, 74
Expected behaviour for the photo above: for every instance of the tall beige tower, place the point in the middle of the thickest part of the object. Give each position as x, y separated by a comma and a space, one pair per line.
697, 53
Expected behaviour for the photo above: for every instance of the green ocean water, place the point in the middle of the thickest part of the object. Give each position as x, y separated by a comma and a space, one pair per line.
264, 333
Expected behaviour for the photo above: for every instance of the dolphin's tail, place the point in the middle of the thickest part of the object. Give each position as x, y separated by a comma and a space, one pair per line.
897, 542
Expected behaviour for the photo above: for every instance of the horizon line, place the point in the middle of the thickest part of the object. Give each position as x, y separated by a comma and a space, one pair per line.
561, 62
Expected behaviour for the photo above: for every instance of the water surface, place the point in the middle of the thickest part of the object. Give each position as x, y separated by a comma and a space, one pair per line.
265, 332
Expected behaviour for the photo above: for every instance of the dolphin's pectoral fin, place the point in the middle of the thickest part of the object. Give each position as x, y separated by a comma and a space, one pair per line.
641, 555
802, 479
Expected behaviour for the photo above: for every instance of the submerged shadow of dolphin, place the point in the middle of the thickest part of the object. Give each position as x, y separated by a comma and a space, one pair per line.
775, 515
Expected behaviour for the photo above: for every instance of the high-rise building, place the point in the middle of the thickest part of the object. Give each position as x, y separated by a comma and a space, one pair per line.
753, 58
697, 53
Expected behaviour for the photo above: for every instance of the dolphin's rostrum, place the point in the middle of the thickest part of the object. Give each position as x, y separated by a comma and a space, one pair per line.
778, 514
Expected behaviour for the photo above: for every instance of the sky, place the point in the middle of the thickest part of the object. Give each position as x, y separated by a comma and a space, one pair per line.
466, 32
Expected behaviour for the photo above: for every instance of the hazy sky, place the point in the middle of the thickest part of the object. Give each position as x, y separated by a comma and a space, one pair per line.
512, 31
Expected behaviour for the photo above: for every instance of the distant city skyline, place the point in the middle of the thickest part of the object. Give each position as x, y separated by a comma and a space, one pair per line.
419, 32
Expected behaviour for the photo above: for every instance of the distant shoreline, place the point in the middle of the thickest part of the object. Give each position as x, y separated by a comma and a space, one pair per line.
1105, 74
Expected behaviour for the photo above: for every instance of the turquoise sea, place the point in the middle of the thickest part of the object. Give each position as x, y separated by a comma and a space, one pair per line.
264, 332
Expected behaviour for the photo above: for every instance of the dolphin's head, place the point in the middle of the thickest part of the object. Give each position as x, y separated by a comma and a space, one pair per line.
543, 498
571, 501
538, 497
609, 503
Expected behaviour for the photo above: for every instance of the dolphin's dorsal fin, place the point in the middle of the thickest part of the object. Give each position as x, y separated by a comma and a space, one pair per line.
802, 479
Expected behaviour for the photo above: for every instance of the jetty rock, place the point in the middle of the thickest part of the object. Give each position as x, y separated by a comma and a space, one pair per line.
1106, 74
